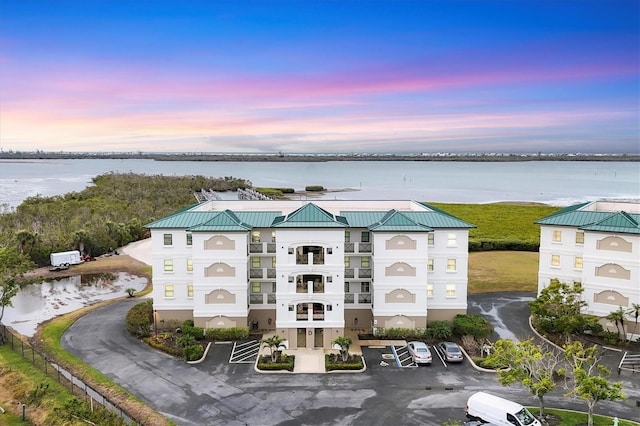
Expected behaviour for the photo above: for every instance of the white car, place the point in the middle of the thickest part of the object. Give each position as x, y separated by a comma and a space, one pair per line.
420, 353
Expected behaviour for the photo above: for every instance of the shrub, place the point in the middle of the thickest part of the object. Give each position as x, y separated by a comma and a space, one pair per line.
193, 352
314, 188
226, 334
333, 362
285, 362
440, 330
139, 319
473, 325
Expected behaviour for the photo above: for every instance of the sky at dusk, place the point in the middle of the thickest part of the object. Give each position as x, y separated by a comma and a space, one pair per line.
320, 76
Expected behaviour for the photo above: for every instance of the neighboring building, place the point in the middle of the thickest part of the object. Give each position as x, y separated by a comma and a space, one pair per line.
309, 269
598, 245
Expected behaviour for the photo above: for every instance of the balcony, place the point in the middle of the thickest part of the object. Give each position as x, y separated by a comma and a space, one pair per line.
262, 248
357, 247
357, 273
262, 273
310, 259
262, 298
362, 298
302, 312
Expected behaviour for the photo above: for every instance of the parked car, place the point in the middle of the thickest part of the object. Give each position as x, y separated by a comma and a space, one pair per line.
450, 351
419, 352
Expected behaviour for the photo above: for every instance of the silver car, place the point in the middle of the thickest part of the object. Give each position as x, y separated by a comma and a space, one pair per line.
420, 353
450, 351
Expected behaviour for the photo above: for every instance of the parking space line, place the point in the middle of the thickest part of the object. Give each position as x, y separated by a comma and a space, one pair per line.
244, 353
440, 356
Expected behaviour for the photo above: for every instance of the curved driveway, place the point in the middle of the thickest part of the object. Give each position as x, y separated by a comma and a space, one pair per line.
216, 392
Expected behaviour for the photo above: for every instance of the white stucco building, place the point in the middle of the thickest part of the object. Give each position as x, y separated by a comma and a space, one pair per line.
598, 245
308, 270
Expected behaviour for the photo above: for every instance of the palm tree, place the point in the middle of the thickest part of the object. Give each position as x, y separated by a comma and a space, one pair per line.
274, 343
634, 310
344, 343
25, 240
80, 237
618, 318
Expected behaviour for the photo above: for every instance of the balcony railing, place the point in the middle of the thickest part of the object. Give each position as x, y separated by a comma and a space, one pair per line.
357, 273
262, 298
319, 316
262, 272
362, 298
262, 247
357, 247
303, 259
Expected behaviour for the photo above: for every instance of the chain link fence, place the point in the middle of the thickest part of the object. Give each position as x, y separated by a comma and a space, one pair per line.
75, 385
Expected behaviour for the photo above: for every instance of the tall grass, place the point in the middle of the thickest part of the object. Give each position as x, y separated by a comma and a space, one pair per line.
501, 221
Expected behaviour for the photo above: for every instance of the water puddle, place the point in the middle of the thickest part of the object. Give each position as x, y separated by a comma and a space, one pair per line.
36, 303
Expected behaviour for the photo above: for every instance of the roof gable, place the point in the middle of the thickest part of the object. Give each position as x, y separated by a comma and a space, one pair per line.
621, 222
310, 216
224, 221
394, 220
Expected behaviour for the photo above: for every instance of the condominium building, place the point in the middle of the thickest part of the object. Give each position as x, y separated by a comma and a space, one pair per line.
596, 244
308, 270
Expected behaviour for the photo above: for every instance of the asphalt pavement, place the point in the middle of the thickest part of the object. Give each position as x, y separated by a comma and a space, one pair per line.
220, 392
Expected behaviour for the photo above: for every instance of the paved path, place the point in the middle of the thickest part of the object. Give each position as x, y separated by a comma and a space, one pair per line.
217, 392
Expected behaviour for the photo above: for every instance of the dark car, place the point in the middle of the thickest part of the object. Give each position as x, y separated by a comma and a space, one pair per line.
450, 351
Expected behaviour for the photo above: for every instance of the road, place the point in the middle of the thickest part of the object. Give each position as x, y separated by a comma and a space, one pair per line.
217, 392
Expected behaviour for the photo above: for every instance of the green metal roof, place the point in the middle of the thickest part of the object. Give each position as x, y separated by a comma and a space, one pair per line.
258, 219
619, 222
393, 220
223, 221
183, 219
437, 219
310, 216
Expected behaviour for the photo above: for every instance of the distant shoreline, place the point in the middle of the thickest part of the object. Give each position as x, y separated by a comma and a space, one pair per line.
26, 156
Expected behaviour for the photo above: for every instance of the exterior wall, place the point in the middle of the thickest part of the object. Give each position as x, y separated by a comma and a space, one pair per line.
610, 272
443, 314
178, 252
605, 291
400, 279
440, 278
233, 276
288, 273
223, 257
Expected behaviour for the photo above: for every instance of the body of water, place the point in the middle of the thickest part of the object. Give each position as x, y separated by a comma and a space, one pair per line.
36, 303
552, 182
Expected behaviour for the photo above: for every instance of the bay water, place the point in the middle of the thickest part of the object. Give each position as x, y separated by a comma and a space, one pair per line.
556, 183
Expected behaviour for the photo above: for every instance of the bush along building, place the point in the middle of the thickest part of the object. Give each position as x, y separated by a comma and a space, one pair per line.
308, 270
596, 244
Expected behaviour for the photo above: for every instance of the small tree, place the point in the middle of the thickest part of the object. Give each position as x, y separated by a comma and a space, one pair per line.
635, 311
274, 343
618, 318
13, 265
527, 363
590, 381
344, 343
558, 309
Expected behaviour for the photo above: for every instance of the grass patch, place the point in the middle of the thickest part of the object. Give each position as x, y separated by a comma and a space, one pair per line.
572, 418
501, 221
491, 271
50, 337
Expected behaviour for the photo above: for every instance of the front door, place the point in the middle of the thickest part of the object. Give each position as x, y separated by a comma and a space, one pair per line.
302, 337
318, 340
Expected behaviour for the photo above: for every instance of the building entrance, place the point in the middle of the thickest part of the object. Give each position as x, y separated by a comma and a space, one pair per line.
302, 338
318, 338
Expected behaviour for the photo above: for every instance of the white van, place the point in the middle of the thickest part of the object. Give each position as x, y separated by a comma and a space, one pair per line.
490, 408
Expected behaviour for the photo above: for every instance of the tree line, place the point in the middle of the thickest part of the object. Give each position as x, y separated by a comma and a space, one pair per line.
109, 214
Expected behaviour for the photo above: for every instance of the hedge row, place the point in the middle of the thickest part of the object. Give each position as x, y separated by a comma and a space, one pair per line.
139, 319
503, 245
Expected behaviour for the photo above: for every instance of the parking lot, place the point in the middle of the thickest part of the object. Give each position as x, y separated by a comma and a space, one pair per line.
225, 390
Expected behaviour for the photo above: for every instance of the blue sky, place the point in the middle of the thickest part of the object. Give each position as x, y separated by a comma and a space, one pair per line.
312, 76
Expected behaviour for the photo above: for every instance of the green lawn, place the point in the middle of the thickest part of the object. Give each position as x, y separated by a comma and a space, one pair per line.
572, 418
503, 271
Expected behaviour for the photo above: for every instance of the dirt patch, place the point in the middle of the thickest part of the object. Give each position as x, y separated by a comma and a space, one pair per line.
115, 263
